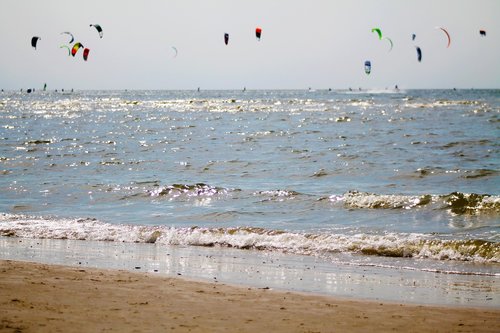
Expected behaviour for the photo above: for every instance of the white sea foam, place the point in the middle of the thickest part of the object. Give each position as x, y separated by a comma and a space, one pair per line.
387, 244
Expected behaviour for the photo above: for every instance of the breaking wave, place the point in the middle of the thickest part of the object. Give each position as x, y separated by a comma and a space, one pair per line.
457, 203
317, 244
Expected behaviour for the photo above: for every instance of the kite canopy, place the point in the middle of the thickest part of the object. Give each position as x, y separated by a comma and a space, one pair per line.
482, 33
69, 33
226, 38
66, 47
258, 32
390, 41
75, 48
85, 54
413, 36
419, 54
175, 51
447, 35
368, 67
98, 28
379, 32
34, 40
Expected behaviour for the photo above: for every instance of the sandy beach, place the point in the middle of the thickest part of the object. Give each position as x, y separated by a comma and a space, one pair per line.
49, 298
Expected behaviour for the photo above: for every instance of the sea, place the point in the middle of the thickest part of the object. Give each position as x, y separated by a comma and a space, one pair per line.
383, 182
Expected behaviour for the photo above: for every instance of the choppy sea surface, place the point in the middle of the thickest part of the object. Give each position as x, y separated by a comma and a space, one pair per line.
369, 178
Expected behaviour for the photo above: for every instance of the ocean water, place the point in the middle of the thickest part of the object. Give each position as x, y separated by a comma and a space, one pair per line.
385, 179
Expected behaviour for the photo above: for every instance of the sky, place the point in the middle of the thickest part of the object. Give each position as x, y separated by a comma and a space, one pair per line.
316, 44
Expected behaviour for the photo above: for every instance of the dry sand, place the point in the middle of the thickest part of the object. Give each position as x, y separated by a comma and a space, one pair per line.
47, 298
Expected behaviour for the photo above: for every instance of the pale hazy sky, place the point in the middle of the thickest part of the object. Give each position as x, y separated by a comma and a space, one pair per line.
305, 43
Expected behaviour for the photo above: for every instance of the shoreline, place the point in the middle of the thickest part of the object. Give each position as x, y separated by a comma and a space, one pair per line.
38, 297
261, 269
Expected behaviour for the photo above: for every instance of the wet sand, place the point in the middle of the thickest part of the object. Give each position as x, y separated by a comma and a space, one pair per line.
37, 297
260, 269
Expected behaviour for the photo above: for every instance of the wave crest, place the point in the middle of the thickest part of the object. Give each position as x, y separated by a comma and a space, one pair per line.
319, 244
456, 202
463, 203
196, 190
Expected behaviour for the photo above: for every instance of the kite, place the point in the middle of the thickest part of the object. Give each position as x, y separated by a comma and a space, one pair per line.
379, 32
34, 40
368, 67
482, 33
85, 54
413, 36
98, 28
69, 33
258, 32
226, 38
175, 50
419, 54
447, 35
75, 48
390, 41
67, 47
